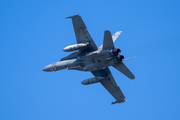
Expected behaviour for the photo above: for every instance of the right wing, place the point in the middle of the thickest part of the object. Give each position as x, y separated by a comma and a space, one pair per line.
110, 84
82, 35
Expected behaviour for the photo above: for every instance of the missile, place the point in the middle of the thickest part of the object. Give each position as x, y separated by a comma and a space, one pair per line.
92, 80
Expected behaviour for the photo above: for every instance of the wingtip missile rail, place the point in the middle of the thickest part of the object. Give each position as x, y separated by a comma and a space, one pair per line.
121, 101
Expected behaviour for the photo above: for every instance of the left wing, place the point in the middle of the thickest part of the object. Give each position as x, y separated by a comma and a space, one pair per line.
110, 84
82, 35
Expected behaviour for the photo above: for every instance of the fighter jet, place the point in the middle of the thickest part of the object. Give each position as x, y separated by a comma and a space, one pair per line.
87, 57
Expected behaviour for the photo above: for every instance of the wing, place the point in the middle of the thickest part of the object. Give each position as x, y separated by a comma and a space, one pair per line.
81, 33
110, 84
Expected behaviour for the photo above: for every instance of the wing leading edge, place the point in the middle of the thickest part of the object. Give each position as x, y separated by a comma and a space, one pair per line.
81, 33
110, 84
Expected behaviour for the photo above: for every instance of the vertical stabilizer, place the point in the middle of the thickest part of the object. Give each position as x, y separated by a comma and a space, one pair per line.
114, 37
108, 42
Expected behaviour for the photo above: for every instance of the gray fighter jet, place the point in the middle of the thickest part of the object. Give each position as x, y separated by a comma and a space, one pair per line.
87, 57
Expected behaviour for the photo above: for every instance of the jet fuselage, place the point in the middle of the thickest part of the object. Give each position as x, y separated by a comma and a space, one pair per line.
88, 57
90, 62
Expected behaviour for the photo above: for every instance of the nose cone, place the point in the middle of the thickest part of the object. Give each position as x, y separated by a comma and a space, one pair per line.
48, 68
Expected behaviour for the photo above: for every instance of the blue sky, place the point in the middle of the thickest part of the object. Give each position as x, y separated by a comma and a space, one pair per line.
33, 34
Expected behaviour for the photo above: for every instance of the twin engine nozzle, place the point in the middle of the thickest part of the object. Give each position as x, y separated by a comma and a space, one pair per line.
115, 51
118, 59
121, 57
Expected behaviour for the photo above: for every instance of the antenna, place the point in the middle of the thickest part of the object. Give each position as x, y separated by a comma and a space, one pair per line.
130, 58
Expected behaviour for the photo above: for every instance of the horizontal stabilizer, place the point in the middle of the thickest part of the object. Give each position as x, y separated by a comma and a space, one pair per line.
123, 69
108, 42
